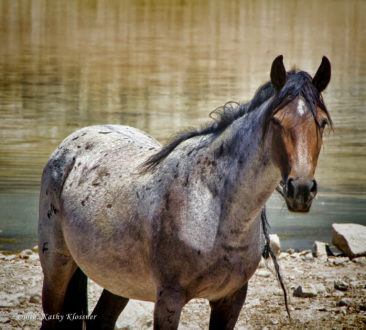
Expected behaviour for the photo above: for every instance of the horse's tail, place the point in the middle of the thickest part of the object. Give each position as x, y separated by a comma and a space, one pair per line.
267, 252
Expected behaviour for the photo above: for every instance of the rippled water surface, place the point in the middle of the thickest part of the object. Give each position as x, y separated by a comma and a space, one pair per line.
162, 66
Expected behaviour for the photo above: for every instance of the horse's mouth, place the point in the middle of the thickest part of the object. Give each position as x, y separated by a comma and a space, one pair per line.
293, 204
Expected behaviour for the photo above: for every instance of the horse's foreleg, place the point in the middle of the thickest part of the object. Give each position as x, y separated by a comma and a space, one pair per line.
225, 311
106, 312
168, 307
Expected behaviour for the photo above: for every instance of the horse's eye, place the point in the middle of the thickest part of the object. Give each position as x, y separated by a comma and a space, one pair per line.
324, 123
276, 122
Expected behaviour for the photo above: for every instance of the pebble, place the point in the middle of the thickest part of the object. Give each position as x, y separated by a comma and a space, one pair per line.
308, 257
341, 285
35, 299
360, 260
305, 252
321, 250
344, 302
263, 273
25, 254
278, 292
305, 291
340, 261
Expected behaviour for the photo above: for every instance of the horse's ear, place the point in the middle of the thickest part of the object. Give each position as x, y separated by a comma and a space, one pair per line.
322, 76
278, 73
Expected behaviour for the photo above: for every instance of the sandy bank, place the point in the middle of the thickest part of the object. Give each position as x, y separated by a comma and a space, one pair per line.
337, 297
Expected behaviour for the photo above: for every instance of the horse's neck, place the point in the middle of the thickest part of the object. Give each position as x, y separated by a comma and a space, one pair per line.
247, 173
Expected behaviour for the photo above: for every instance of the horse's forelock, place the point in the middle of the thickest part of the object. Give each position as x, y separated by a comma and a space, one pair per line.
298, 84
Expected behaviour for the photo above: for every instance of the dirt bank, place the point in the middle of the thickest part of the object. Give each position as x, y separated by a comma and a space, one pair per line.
335, 288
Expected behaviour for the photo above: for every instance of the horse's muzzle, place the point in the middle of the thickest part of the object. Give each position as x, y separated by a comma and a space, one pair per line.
299, 194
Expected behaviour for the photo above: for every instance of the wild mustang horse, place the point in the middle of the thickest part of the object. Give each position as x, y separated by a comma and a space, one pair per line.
168, 224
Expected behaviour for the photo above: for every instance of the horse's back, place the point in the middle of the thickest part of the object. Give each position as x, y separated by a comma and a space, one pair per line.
87, 202
90, 142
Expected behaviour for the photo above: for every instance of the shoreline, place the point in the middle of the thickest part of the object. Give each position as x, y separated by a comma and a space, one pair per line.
332, 295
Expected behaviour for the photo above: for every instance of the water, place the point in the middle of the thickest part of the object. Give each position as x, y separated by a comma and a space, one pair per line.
162, 66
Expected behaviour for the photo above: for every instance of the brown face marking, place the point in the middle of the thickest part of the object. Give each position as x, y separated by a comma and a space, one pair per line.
297, 139
296, 145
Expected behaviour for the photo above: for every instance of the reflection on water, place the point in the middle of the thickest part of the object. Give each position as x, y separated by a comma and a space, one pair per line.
162, 66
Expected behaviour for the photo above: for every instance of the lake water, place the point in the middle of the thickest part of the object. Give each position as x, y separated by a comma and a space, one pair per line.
162, 66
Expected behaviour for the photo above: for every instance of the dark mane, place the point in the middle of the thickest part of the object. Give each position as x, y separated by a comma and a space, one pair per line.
297, 84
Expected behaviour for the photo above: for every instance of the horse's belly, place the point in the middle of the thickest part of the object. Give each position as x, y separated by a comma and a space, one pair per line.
127, 280
118, 264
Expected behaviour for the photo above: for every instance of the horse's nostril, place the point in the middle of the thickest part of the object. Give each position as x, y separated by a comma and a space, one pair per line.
313, 187
290, 188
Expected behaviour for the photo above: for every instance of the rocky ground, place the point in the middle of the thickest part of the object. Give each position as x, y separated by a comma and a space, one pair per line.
332, 296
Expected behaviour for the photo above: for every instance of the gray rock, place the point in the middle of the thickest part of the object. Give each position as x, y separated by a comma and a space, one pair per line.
275, 244
321, 250
341, 285
305, 291
305, 252
344, 302
350, 238
35, 299
360, 260
308, 256
278, 292
25, 254
339, 261
263, 273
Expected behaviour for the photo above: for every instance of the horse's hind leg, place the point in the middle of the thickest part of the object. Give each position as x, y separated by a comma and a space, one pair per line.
225, 311
64, 297
106, 312
64, 290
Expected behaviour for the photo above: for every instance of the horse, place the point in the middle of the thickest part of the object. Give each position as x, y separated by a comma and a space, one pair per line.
173, 223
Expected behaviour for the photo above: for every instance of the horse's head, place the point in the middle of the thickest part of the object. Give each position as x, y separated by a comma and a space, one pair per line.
298, 119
